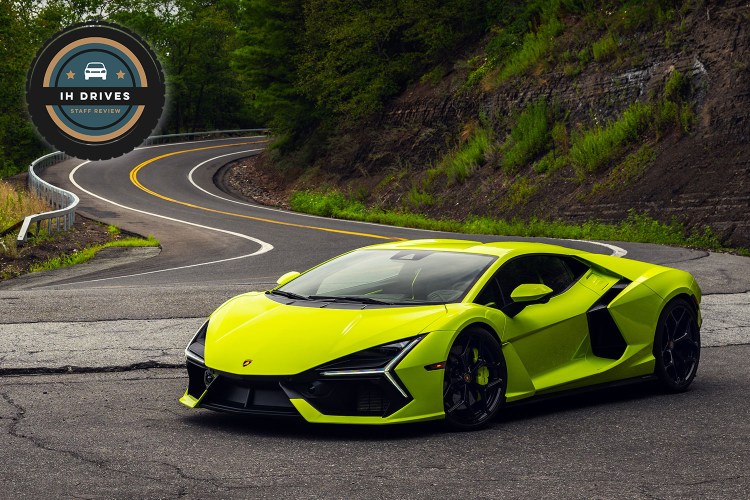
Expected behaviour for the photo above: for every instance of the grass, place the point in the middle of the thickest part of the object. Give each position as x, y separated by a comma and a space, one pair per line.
459, 165
535, 47
417, 199
604, 48
527, 138
550, 163
9, 245
521, 191
88, 253
15, 204
630, 169
674, 108
596, 147
635, 228
677, 86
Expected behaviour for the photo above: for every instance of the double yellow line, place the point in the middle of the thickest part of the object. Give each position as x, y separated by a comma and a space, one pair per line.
137, 183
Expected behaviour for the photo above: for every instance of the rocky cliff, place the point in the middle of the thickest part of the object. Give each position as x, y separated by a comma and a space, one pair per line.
699, 174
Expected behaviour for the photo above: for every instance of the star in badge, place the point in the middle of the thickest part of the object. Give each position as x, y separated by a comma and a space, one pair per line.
120, 75
70, 74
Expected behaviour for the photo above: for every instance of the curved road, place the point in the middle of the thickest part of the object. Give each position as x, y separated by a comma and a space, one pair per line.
209, 237
90, 370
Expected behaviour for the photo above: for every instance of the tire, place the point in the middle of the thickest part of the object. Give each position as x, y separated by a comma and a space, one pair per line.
677, 346
475, 380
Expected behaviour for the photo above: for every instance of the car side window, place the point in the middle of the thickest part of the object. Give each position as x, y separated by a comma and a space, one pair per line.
557, 272
554, 273
491, 296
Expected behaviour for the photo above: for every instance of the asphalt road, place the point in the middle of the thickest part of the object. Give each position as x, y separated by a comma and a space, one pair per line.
122, 435
83, 417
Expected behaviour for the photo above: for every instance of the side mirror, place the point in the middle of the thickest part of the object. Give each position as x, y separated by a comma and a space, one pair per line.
286, 278
530, 292
526, 295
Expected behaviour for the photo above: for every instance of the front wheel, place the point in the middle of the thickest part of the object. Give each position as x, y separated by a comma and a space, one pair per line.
677, 346
475, 380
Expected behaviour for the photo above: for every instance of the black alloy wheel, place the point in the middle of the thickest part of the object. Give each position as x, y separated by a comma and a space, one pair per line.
677, 346
475, 380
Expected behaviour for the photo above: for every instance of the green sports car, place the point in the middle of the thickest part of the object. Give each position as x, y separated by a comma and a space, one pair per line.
444, 329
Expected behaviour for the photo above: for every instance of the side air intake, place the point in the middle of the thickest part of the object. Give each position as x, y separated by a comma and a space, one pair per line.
606, 338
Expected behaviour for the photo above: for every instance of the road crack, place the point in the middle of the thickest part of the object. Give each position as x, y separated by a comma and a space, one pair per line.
13, 430
68, 369
20, 416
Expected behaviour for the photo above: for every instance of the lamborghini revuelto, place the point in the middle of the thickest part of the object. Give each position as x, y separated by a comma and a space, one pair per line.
444, 329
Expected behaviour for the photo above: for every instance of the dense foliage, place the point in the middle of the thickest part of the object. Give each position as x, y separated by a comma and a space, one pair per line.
289, 64
194, 39
293, 65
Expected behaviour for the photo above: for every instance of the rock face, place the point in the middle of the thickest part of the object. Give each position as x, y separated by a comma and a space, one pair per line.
700, 178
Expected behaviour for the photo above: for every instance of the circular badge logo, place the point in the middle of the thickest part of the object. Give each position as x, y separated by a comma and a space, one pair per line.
95, 91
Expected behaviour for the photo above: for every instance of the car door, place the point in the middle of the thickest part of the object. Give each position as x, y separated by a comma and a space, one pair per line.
551, 338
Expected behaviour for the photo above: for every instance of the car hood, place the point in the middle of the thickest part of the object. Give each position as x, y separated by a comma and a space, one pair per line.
282, 339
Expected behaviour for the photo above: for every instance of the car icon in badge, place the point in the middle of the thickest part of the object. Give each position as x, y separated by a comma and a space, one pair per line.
95, 70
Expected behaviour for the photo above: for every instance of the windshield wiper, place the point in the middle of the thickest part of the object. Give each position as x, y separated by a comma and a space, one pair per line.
348, 298
288, 295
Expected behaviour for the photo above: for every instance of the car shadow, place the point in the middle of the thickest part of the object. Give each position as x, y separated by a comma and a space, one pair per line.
245, 425
557, 404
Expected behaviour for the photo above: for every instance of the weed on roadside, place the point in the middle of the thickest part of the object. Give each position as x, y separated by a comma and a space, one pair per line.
636, 227
81, 256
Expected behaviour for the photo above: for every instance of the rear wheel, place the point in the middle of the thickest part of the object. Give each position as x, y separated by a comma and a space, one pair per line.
677, 346
475, 380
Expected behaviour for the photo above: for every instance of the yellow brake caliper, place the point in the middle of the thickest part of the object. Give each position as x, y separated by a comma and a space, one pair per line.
483, 373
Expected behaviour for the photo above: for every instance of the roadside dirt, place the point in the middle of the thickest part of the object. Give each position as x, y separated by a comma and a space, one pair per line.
248, 179
85, 232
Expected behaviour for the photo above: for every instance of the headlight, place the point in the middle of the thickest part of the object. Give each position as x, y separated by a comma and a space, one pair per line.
195, 350
374, 357
379, 360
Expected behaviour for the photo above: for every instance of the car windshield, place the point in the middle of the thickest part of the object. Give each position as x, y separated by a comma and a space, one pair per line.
391, 277
95, 65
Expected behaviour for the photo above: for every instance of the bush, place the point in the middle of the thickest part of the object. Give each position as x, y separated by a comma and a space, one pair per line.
594, 148
535, 47
605, 47
677, 87
528, 137
324, 204
459, 166
417, 199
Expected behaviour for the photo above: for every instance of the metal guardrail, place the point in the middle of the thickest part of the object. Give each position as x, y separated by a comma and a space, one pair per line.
196, 136
65, 203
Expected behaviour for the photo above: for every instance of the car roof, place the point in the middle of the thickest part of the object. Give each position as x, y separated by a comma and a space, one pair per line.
498, 248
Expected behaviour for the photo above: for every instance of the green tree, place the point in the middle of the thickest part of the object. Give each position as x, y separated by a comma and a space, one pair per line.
24, 26
270, 42
194, 40
358, 54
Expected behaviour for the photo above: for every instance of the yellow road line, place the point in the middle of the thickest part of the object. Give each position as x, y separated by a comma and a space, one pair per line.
137, 183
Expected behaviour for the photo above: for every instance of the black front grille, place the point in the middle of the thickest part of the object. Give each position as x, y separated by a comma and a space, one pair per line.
247, 395
252, 395
355, 395
371, 400
370, 395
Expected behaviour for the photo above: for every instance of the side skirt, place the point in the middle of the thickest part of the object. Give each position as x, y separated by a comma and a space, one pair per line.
580, 390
